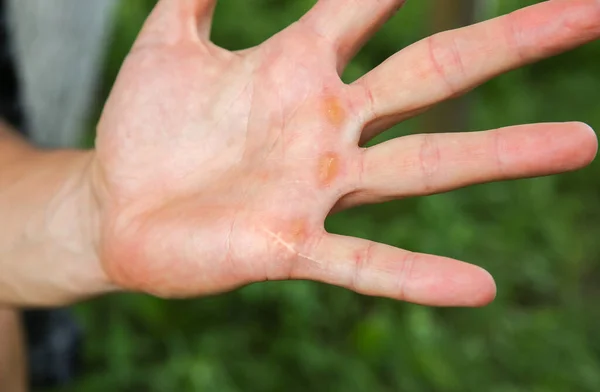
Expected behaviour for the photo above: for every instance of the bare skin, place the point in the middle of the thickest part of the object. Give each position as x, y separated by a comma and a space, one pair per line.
257, 147
12, 357
214, 169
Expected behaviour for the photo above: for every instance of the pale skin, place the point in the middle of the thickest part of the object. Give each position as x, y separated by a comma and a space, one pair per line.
216, 169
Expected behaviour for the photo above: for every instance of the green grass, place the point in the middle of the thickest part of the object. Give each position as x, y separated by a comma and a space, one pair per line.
540, 239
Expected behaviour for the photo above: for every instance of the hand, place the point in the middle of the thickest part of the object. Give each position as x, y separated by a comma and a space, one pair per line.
216, 169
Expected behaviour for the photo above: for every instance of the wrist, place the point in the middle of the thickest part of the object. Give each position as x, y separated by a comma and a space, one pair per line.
87, 216
77, 210
51, 248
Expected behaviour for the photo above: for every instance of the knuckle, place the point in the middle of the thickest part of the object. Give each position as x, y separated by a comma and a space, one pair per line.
362, 262
429, 162
446, 61
405, 275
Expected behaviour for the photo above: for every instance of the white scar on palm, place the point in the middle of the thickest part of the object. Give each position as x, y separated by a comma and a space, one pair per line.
277, 237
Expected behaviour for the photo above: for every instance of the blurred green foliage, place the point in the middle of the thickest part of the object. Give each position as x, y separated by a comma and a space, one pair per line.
539, 238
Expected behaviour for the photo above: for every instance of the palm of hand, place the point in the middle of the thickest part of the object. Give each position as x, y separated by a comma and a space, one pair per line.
217, 169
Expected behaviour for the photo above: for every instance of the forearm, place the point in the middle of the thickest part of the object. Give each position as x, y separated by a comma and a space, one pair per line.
12, 355
47, 226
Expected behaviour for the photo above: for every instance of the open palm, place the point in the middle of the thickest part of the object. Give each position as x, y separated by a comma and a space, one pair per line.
215, 169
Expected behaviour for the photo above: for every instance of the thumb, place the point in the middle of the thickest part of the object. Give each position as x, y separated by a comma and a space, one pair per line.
174, 21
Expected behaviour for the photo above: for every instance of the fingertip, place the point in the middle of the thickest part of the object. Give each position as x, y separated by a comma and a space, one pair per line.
564, 147
451, 283
485, 290
475, 287
588, 142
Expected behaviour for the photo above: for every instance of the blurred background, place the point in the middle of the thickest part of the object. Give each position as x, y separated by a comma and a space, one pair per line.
540, 239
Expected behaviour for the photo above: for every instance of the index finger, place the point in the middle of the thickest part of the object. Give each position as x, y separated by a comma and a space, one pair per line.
450, 63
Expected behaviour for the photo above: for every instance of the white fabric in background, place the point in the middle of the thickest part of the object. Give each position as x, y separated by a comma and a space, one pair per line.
59, 47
